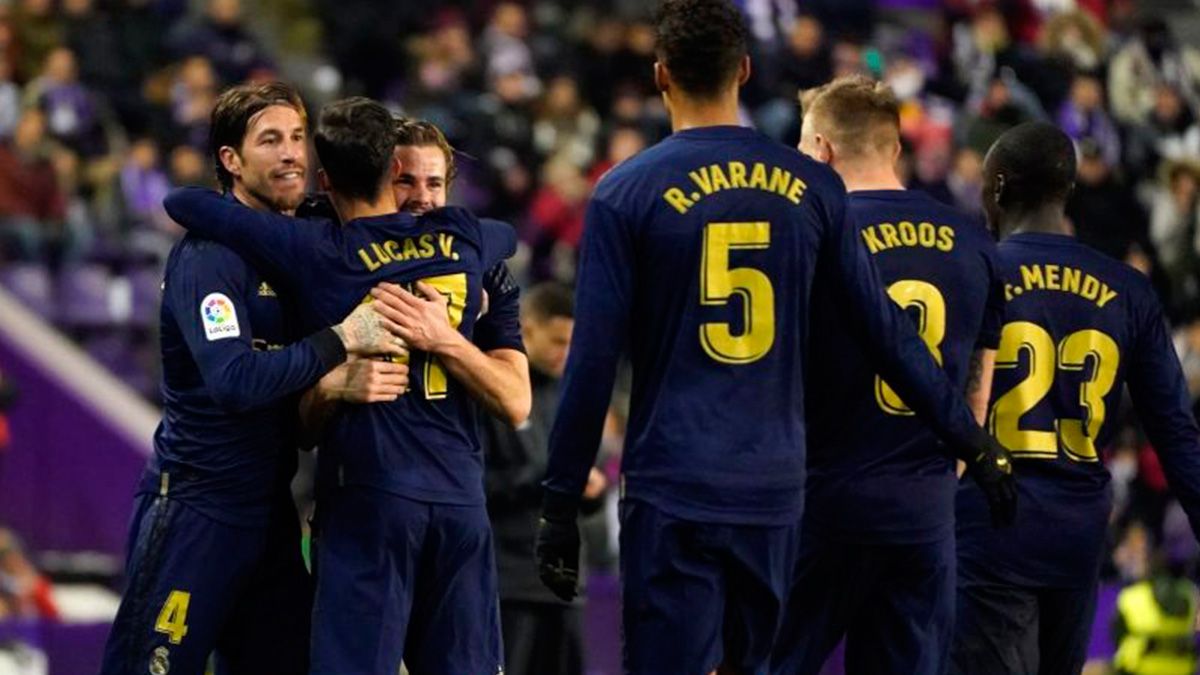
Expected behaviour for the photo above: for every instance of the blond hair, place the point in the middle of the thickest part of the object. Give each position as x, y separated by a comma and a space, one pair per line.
856, 113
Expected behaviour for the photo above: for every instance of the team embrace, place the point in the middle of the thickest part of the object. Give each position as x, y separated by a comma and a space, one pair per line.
854, 415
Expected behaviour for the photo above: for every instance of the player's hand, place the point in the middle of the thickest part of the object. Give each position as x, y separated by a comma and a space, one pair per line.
557, 548
367, 332
992, 469
365, 381
422, 322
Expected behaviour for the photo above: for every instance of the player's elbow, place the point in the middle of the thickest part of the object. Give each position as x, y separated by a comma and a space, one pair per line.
515, 409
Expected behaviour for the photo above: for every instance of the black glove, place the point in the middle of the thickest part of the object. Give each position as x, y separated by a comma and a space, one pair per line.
991, 467
557, 548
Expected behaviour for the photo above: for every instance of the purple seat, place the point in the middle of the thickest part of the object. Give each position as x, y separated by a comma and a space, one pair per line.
146, 286
31, 284
83, 296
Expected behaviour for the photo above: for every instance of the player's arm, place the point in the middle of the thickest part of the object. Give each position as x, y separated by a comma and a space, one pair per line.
358, 380
205, 292
499, 377
1160, 396
276, 245
901, 357
603, 298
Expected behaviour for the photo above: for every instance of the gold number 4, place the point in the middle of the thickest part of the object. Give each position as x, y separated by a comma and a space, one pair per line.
719, 283
1076, 437
172, 619
931, 324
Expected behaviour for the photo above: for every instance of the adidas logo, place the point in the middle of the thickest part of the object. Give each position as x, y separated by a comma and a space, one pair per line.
265, 291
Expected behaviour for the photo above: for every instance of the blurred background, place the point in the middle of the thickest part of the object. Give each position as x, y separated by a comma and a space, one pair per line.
104, 107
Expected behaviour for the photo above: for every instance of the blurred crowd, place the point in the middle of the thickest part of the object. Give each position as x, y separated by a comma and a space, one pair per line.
104, 107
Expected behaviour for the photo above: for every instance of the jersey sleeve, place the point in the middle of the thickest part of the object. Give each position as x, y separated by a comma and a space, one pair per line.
500, 328
993, 310
206, 293
499, 241
603, 299
277, 245
1160, 396
889, 337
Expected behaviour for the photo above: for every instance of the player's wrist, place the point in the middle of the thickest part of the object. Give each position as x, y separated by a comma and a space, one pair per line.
559, 507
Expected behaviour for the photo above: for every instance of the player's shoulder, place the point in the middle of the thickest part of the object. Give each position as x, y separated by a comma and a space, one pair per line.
194, 254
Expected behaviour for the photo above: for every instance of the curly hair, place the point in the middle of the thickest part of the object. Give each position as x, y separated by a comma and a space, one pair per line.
701, 42
1037, 160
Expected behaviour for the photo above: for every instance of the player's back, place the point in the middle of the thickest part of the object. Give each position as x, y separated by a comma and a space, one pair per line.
425, 444
876, 471
724, 227
1073, 326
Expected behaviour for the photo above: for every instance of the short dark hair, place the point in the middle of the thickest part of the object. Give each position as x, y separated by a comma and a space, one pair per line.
855, 112
548, 300
234, 109
355, 141
701, 42
423, 133
1037, 160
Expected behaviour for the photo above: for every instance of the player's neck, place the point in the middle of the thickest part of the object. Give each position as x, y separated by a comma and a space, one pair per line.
1046, 220
351, 209
252, 200
688, 113
863, 177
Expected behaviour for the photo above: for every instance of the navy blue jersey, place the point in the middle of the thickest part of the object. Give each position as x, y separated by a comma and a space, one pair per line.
876, 471
1078, 326
226, 440
424, 445
697, 260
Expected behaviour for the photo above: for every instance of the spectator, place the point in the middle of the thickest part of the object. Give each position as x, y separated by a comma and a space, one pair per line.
24, 593
556, 219
71, 109
31, 203
542, 634
1170, 132
564, 123
1175, 229
1151, 59
1083, 116
1104, 209
37, 33
144, 185
221, 38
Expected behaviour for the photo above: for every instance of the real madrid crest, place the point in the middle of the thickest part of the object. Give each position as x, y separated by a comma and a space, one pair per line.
159, 662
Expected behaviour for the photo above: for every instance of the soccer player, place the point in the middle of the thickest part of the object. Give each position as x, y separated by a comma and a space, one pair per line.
877, 549
1077, 326
697, 260
405, 564
214, 558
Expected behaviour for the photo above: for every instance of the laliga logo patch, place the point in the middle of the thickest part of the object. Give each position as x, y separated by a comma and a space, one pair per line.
160, 664
219, 317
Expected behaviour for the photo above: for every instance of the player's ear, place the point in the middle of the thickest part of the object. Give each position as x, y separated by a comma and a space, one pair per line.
743, 70
661, 77
824, 149
998, 192
323, 180
230, 160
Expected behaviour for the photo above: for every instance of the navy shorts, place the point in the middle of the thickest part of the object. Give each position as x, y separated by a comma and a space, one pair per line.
699, 595
404, 579
1012, 629
893, 603
197, 586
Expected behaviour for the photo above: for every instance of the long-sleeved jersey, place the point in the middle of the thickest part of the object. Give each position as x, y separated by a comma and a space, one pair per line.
876, 471
227, 434
424, 445
697, 260
1077, 327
